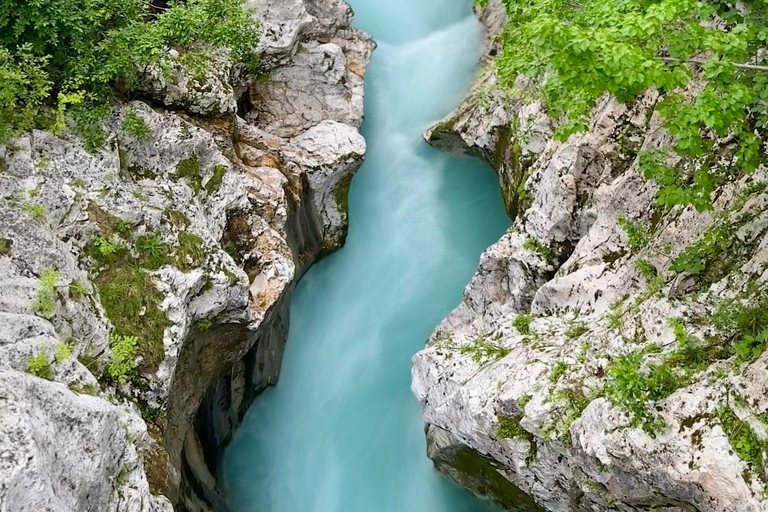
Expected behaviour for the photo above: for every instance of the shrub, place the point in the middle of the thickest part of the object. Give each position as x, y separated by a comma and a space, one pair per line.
483, 351
63, 352
40, 366
45, 300
122, 364
577, 52
77, 290
534, 245
134, 126
73, 56
523, 324
638, 235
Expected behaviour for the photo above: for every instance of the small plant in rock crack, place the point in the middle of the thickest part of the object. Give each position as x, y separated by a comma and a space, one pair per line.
45, 300
638, 235
483, 351
523, 324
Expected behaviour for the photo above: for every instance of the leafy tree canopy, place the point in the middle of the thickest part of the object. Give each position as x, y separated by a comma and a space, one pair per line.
580, 50
80, 54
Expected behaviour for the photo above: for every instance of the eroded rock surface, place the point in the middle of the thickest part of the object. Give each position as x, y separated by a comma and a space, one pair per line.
187, 235
596, 363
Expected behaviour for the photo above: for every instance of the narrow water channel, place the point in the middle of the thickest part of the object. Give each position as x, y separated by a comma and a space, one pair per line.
341, 431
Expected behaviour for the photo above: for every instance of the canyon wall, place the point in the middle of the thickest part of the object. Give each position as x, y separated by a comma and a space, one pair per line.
192, 229
607, 355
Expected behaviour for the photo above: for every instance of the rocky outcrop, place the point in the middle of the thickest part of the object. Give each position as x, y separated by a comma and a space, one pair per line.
149, 280
608, 353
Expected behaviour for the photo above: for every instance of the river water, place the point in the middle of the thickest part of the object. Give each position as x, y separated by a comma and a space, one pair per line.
341, 431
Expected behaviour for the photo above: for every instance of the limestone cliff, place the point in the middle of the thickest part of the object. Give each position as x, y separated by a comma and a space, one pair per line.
609, 353
191, 224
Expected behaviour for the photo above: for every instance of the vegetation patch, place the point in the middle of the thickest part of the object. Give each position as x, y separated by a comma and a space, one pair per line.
63, 352
190, 253
523, 324
122, 363
132, 303
45, 300
744, 441
638, 235
77, 290
134, 126
40, 366
744, 322
534, 245
72, 58
510, 428
484, 352
6, 247
189, 169
214, 182
575, 330
576, 53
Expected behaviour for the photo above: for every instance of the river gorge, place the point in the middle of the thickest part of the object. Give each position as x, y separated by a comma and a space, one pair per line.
341, 430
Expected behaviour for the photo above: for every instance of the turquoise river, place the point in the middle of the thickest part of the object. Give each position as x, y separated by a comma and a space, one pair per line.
341, 431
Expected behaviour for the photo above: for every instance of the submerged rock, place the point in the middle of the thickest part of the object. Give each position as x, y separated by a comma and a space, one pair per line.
584, 366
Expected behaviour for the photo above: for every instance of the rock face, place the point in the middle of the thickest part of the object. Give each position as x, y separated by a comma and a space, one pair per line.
185, 233
601, 359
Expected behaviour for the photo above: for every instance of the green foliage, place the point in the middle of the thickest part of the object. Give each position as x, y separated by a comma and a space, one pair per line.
635, 381
105, 250
5, 247
558, 371
177, 218
696, 258
534, 245
575, 330
45, 300
35, 210
73, 56
579, 51
152, 251
122, 364
190, 253
616, 316
745, 323
483, 351
214, 183
749, 447
523, 324
63, 352
638, 235
77, 290
132, 303
510, 428
572, 402
631, 387
40, 366
134, 126
647, 270
189, 169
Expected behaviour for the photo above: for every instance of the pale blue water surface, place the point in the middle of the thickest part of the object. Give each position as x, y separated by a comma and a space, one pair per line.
341, 431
